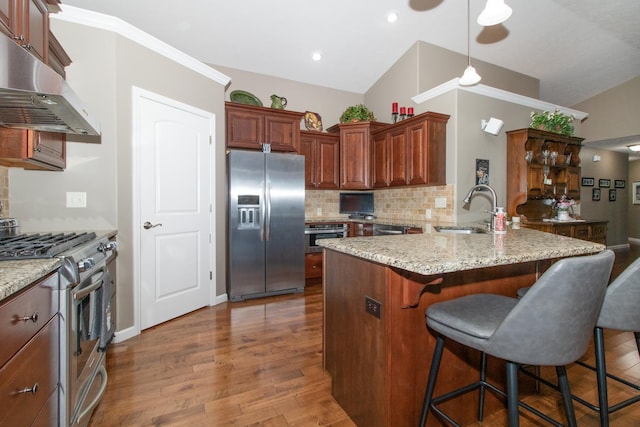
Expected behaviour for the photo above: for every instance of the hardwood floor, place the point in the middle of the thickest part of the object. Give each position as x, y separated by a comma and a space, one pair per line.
259, 363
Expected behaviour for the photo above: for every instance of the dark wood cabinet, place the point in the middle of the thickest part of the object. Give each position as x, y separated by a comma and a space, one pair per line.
251, 126
411, 152
30, 149
30, 355
593, 231
356, 153
27, 22
535, 173
321, 159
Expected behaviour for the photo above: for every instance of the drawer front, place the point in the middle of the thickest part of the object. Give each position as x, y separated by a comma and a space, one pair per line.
35, 363
564, 230
599, 231
581, 232
313, 265
36, 306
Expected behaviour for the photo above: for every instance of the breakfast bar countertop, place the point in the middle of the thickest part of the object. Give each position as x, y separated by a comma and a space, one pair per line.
435, 253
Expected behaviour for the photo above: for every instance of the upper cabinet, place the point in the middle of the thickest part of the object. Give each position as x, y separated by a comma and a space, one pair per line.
27, 22
30, 149
411, 152
540, 165
250, 126
356, 153
321, 159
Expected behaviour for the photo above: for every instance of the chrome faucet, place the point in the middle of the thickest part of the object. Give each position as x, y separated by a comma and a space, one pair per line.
494, 200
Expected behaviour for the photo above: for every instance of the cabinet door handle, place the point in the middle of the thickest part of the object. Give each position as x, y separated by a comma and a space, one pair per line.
32, 390
33, 318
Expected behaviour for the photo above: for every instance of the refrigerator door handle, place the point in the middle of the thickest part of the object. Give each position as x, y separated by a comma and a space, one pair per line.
267, 224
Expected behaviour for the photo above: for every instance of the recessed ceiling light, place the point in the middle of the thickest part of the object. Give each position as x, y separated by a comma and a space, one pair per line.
316, 56
634, 147
392, 16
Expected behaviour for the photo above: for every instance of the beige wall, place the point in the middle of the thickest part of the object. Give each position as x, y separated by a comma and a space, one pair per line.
106, 66
634, 210
613, 114
4, 192
612, 166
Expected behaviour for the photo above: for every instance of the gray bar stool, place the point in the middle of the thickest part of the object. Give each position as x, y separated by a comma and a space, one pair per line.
551, 326
620, 311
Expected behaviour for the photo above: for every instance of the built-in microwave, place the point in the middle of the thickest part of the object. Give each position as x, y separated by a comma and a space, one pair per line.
315, 232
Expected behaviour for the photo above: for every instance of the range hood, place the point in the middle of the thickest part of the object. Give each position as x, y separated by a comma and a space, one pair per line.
33, 96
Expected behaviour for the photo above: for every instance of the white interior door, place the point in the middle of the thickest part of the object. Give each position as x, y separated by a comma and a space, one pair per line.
175, 215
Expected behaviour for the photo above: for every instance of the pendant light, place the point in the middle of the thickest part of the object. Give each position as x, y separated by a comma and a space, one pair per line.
494, 13
470, 76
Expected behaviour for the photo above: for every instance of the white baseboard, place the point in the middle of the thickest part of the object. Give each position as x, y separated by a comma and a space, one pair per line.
125, 334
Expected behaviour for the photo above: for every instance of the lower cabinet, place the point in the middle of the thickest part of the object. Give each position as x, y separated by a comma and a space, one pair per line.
313, 267
593, 231
29, 376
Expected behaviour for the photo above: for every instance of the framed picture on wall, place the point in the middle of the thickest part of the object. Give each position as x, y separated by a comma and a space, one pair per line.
604, 183
482, 171
612, 195
595, 194
587, 182
619, 183
635, 187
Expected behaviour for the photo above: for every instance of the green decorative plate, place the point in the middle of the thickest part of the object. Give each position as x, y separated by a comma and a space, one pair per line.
242, 97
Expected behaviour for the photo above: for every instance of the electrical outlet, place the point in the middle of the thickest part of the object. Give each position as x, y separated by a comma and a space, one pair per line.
427, 214
441, 202
372, 306
319, 211
76, 199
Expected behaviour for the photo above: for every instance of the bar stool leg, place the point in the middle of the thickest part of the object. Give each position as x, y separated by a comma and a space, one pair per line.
483, 378
601, 376
512, 394
431, 382
563, 382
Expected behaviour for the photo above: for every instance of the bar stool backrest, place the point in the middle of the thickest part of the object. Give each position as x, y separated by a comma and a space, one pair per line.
553, 322
621, 307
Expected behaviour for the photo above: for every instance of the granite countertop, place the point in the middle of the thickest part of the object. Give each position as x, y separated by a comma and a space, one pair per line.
16, 275
435, 253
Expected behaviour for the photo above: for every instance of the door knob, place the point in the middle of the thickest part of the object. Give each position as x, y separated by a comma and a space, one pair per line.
147, 225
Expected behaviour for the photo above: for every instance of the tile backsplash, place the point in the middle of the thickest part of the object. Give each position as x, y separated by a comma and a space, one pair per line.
4, 190
396, 204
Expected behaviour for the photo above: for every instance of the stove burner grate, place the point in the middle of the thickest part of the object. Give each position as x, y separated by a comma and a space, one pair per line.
30, 246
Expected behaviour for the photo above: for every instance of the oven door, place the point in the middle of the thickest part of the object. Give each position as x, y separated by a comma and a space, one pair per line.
85, 360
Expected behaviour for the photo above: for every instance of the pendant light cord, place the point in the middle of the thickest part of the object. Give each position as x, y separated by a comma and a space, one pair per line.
468, 32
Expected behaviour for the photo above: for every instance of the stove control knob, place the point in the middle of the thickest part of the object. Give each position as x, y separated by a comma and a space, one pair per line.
85, 264
106, 247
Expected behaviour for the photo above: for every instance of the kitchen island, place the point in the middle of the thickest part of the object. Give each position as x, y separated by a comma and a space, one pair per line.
376, 290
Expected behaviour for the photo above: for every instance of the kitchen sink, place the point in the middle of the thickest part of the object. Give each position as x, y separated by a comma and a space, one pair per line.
459, 229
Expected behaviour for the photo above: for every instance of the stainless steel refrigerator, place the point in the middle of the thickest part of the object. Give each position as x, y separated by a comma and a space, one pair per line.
265, 236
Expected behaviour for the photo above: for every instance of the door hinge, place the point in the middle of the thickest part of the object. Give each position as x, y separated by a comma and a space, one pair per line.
211, 275
210, 139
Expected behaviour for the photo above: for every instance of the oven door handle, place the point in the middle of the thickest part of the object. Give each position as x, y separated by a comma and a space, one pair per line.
90, 288
102, 372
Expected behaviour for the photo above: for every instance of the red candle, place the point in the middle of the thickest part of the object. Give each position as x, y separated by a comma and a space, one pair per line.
403, 111
410, 111
394, 108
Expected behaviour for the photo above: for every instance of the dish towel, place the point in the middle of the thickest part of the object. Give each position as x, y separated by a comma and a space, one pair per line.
104, 323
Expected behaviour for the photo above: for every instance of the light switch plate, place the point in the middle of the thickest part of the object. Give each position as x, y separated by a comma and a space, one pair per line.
76, 199
441, 202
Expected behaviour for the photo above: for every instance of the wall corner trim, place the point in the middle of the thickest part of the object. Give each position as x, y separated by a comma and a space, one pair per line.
110, 23
496, 93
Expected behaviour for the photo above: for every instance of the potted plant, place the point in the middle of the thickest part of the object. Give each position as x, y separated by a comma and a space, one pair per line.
357, 113
557, 122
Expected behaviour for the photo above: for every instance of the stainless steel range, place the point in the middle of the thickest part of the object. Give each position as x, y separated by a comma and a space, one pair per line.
87, 316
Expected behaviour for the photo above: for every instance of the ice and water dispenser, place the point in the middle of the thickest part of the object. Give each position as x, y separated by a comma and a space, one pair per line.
248, 212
